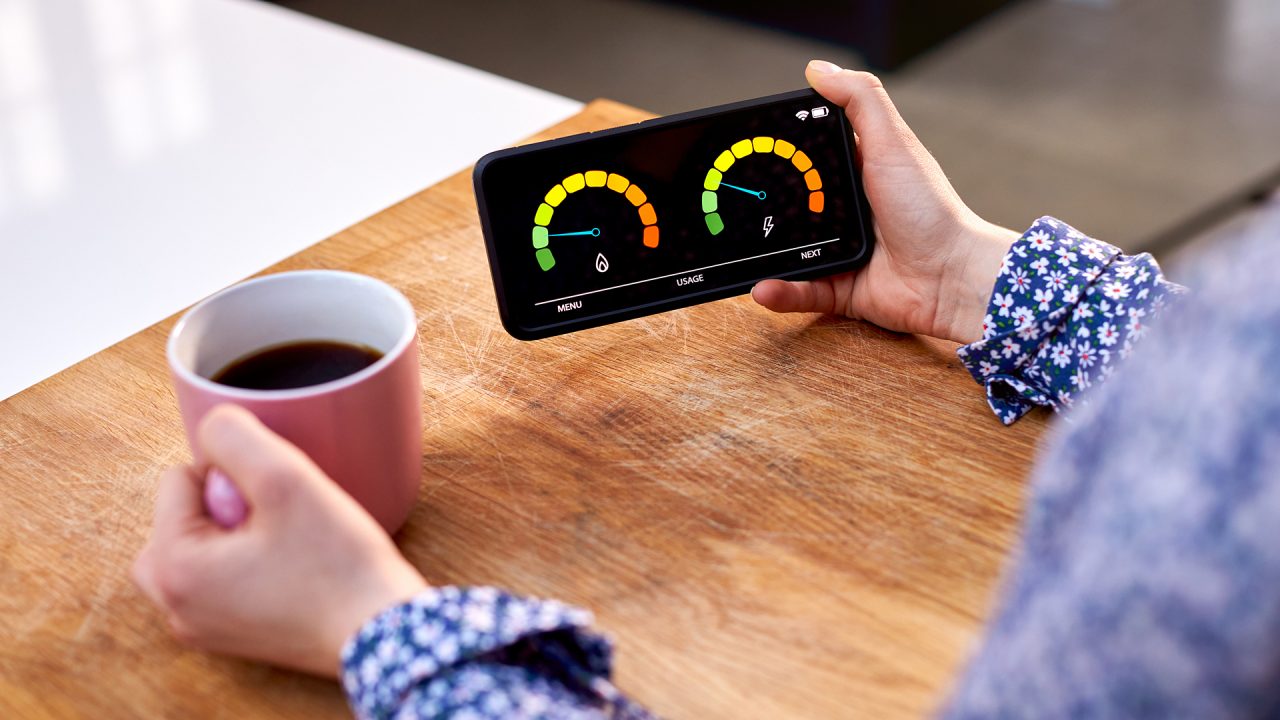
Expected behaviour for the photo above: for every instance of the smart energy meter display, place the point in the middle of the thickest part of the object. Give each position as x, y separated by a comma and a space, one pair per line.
667, 213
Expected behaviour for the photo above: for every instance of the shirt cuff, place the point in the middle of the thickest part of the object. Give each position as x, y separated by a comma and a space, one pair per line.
1062, 303
447, 627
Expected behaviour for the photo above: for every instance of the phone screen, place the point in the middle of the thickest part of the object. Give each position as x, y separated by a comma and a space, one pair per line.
671, 212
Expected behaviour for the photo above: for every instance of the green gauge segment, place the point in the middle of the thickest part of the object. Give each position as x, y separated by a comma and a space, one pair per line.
715, 179
587, 180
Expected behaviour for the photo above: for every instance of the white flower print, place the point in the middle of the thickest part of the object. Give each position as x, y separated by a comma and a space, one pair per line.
1061, 354
1038, 239
387, 649
1082, 311
1057, 280
1039, 265
1019, 280
1125, 272
1072, 295
1080, 379
1065, 255
1085, 354
1028, 331
1044, 297
1022, 315
1003, 302
496, 704
370, 669
988, 327
421, 666
1108, 334
1093, 251
479, 616
446, 650
986, 368
1010, 348
1136, 328
1090, 274
1116, 290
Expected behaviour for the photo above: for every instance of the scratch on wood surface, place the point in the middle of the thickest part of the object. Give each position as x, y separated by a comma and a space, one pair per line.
448, 316
512, 507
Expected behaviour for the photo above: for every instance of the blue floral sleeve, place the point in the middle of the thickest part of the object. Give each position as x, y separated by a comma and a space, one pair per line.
481, 653
1065, 307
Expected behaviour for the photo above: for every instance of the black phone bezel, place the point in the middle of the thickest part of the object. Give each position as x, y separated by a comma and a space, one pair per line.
651, 308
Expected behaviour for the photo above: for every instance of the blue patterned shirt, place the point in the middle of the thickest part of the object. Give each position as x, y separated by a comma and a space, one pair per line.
1147, 582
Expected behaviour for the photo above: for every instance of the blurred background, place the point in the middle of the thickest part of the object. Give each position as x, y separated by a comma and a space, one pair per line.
1145, 122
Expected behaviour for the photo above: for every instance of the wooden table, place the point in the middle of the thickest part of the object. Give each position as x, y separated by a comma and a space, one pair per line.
775, 516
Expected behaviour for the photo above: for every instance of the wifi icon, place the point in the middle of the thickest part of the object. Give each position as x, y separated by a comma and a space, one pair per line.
803, 114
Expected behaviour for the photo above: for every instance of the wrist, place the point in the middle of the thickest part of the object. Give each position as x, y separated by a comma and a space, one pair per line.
375, 592
966, 288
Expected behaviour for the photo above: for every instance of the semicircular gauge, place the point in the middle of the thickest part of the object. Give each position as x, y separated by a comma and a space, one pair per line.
555, 211
724, 176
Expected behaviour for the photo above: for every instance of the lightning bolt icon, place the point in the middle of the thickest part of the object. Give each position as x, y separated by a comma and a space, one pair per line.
768, 225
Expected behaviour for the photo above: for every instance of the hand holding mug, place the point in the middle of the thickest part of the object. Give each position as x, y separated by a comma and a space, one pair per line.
290, 584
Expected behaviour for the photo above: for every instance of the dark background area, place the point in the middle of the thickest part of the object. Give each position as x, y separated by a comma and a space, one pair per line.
1145, 122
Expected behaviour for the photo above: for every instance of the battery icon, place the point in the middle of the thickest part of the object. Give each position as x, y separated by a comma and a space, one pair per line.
820, 111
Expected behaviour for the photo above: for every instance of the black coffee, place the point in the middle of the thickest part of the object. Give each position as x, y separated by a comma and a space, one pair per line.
297, 364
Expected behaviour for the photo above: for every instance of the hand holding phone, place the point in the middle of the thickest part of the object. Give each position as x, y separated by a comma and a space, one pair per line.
935, 260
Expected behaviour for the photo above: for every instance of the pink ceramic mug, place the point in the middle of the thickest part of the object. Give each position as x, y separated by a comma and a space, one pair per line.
364, 430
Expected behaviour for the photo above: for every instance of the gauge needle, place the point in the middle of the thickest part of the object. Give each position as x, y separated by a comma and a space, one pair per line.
757, 193
593, 232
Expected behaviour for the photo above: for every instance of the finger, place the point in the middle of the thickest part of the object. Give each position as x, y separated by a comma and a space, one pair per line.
179, 507
788, 297
143, 574
865, 102
262, 464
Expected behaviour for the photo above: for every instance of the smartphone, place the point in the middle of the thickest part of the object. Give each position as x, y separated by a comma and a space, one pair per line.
613, 225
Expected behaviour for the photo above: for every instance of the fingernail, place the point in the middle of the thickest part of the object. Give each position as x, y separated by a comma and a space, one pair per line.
823, 67
223, 501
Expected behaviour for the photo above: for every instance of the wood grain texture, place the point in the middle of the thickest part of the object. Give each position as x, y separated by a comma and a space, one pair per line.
775, 516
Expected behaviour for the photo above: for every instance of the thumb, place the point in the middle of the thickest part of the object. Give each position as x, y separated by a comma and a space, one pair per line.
827, 295
866, 104
264, 466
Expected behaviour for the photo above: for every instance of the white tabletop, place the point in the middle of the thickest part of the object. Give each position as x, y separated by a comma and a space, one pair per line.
154, 151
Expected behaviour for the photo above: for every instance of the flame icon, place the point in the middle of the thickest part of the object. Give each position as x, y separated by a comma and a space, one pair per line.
602, 262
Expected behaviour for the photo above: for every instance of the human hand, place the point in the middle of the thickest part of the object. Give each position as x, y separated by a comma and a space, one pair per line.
291, 583
935, 260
